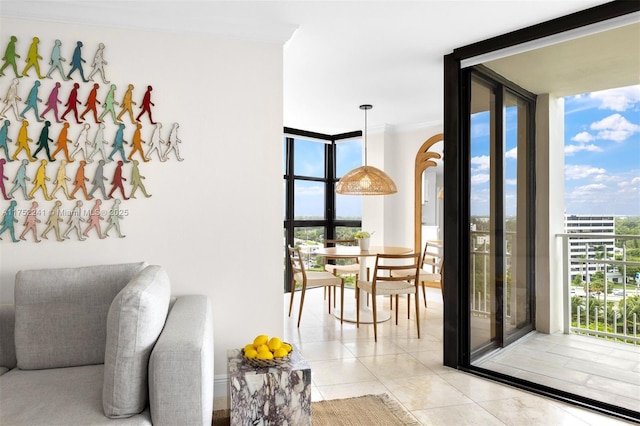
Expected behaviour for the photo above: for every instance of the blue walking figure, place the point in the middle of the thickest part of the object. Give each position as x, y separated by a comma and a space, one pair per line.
56, 60
9, 220
20, 180
4, 138
118, 144
32, 101
76, 62
43, 141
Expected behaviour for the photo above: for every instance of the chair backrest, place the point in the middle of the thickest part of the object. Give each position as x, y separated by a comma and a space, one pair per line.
297, 263
432, 256
335, 243
387, 263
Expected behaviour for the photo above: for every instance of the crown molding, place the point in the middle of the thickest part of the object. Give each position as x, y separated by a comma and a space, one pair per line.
158, 17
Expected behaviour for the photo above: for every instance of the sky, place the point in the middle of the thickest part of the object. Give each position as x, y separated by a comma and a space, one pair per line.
602, 152
601, 155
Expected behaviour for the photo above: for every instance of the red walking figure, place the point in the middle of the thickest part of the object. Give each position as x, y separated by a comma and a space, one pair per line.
146, 105
72, 103
117, 181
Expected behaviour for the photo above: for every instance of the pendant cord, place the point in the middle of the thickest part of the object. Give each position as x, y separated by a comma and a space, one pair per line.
365, 137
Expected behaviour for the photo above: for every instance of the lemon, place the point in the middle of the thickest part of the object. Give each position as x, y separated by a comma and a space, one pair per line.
261, 339
287, 346
274, 344
265, 355
248, 347
250, 353
280, 353
263, 348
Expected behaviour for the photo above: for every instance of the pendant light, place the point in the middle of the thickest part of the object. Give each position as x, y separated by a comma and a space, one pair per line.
366, 180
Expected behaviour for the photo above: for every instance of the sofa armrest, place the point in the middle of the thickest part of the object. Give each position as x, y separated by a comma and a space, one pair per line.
7, 333
181, 365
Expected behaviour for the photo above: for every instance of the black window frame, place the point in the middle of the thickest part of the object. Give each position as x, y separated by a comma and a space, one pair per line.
329, 223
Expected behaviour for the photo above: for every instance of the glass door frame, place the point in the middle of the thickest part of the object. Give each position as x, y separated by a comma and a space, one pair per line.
456, 331
501, 89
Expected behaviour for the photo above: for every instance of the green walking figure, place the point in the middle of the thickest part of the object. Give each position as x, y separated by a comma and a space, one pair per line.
10, 56
9, 220
109, 105
136, 181
114, 219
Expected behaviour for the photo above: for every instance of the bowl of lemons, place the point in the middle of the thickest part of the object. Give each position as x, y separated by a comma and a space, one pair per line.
267, 352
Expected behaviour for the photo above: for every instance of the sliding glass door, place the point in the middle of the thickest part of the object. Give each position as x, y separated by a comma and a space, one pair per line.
500, 218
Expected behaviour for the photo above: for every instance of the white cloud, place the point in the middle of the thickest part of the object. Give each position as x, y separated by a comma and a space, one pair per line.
511, 181
621, 99
480, 178
572, 149
630, 184
583, 137
481, 162
591, 187
615, 128
573, 172
512, 153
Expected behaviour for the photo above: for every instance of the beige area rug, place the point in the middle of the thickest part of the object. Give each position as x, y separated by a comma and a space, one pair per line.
369, 410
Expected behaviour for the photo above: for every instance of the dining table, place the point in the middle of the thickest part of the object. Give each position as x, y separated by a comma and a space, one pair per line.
366, 313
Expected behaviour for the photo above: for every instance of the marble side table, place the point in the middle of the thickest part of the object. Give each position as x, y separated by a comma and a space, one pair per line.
269, 396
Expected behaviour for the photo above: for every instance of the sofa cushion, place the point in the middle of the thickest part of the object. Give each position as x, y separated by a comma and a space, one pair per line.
57, 396
7, 339
61, 314
136, 318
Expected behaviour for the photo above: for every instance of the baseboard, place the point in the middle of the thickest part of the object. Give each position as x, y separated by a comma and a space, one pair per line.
221, 392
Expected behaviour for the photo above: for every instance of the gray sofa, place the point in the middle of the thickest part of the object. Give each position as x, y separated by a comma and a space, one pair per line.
105, 344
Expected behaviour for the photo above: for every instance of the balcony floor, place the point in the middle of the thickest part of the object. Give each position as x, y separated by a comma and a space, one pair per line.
587, 366
345, 362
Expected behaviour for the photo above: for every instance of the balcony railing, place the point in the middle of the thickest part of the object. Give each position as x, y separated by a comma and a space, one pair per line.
606, 303
607, 306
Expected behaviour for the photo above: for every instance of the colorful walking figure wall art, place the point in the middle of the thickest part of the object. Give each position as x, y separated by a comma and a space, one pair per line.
45, 186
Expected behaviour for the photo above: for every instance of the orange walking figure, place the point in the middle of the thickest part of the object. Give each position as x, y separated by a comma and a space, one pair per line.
31, 221
127, 104
23, 142
117, 181
94, 220
92, 104
40, 181
62, 143
80, 182
146, 105
137, 142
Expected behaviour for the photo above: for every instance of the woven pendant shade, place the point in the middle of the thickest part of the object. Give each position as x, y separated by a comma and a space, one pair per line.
366, 180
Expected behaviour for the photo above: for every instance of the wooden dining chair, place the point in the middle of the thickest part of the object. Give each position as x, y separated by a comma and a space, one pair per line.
385, 282
311, 279
431, 265
341, 266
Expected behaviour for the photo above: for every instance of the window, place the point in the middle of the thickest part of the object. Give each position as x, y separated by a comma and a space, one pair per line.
313, 212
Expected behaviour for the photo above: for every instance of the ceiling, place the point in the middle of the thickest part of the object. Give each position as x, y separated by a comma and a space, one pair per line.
339, 55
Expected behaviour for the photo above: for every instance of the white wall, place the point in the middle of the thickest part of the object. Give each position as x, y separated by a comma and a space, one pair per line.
214, 220
549, 213
394, 151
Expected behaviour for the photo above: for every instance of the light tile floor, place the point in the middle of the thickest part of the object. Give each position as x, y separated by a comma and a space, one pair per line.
345, 362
